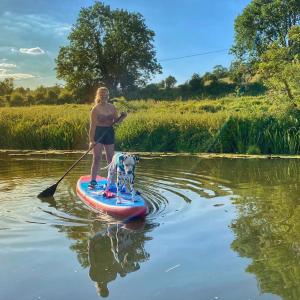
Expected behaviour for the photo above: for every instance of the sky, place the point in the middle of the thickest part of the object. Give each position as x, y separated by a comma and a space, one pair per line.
32, 32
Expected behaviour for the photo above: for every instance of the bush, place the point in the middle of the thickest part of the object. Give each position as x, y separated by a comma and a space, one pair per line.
17, 99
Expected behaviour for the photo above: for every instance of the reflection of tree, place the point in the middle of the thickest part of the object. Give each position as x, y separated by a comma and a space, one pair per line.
117, 250
267, 229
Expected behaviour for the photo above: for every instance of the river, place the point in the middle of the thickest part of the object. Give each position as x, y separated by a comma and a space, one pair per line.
217, 229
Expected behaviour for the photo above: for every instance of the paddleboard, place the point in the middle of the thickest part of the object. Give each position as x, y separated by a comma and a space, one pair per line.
96, 200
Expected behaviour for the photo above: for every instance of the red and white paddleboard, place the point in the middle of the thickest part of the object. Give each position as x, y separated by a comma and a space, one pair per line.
98, 201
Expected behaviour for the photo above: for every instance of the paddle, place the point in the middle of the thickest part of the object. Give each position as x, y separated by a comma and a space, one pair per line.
49, 192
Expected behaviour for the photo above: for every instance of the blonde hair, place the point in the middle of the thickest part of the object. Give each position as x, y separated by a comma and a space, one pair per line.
99, 97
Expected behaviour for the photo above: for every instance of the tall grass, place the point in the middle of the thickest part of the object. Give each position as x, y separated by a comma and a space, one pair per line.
43, 127
247, 125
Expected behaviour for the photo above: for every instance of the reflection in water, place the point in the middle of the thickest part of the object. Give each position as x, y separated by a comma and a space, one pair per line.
267, 228
191, 199
116, 250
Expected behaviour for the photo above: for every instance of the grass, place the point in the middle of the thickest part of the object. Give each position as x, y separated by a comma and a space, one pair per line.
253, 125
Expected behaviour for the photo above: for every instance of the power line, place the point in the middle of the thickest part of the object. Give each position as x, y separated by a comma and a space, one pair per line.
198, 54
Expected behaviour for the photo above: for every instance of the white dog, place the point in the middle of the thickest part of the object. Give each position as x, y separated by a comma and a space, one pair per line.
122, 165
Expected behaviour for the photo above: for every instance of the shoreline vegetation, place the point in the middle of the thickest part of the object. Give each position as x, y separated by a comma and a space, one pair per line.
45, 154
243, 125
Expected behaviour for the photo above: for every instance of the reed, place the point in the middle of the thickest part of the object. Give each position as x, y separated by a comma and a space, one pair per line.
251, 125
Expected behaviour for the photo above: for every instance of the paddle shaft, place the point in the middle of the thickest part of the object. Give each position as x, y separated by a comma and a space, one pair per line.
90, 148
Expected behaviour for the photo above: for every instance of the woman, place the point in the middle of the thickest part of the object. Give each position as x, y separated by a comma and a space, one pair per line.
101, 133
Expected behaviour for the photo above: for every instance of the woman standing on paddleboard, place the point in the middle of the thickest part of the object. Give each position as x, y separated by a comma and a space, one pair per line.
101, 133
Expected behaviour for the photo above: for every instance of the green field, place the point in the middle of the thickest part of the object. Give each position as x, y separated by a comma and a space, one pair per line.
250, 125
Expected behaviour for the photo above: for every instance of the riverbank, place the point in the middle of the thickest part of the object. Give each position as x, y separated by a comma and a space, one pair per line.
45, 154
250, 125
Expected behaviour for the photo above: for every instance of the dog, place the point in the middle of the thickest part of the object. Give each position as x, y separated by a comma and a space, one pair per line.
123, 166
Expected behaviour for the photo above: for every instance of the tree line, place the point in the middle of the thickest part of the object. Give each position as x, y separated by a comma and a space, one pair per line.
20, 96
219, 82
114, 47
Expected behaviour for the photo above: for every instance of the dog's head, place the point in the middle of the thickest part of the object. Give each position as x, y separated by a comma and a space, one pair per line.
129, 162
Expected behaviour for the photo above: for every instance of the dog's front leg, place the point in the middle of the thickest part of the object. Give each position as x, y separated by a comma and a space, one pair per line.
131, 185
119, 185
110, 176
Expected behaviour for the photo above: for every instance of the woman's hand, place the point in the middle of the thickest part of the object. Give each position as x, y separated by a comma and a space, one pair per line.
92, 144
123, 114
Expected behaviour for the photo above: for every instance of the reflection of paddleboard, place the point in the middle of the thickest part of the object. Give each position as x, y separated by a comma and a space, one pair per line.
96, 200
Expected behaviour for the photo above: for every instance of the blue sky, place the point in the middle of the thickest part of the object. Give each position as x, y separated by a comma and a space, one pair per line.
32, 31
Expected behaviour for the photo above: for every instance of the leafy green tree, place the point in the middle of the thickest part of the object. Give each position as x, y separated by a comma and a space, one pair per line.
6, 86
21, 90
208, 76
294, 41
262, 23
277, 70
280, 66
170, 82
40, 95
3, 101
30, 99
196, 83
65, 96
219, 72
51, 96
241, 74
17, 99
110, 47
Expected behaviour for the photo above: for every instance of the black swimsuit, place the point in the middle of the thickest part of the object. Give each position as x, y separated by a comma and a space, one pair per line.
104, 135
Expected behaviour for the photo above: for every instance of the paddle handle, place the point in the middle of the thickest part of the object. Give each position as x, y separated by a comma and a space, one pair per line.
90, 148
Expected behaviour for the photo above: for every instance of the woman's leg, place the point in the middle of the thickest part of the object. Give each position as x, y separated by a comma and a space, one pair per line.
97, 152
109, 151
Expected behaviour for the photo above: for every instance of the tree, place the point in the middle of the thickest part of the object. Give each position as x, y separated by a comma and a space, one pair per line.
294, 39
196, 83
278, 72
6, 86
110, 47
51, 96
262, 23
208, 76
40, 95
17, 99
170, 82
241, 73
65, 96
280, 67
220, 72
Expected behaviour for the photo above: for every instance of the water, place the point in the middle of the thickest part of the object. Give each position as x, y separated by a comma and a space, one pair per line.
217, 229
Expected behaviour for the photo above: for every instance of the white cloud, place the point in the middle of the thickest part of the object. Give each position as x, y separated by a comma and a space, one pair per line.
43, 24
32, 51
16, 76
62, 30
19, 76
5, 65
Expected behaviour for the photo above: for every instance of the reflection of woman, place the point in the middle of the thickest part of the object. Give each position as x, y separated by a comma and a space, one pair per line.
114, 252
104, 267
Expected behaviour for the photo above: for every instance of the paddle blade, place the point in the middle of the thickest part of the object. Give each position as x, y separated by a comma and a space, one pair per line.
49, 192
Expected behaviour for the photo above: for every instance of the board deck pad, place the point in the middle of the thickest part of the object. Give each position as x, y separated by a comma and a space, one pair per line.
95, 199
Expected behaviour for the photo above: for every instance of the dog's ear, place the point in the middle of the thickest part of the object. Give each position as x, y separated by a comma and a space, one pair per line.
122, 158
136, 158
